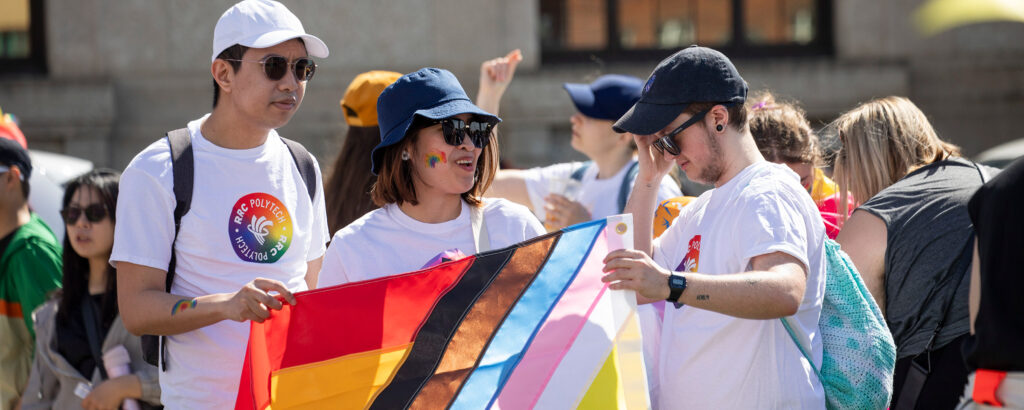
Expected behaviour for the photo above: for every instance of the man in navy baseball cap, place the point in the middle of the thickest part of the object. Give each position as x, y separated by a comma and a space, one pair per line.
742, 255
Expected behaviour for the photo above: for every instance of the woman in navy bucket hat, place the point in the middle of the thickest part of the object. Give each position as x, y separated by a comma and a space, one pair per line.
437, 155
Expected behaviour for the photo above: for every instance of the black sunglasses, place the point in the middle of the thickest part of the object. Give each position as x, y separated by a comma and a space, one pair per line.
275, 67
455, 131
93, 213
667, 142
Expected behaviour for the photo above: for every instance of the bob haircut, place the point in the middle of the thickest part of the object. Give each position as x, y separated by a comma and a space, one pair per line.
882, 141
395, 180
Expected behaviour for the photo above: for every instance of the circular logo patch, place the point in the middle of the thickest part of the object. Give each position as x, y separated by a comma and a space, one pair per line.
260, 228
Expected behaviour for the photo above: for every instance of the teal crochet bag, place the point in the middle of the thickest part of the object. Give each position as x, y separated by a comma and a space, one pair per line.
859, 353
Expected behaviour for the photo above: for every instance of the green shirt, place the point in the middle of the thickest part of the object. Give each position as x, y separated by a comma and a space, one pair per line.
30, 268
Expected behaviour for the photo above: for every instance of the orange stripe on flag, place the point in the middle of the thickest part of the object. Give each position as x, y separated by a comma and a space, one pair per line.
347, 382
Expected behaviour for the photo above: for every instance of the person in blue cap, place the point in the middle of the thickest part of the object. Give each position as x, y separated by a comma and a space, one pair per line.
572, 192
741, 256
436, 158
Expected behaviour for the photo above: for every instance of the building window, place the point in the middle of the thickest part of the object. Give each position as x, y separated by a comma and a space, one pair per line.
616, 30
21, 37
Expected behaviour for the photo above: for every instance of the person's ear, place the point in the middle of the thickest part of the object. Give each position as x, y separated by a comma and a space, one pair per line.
8, 178
719, 118
223, 74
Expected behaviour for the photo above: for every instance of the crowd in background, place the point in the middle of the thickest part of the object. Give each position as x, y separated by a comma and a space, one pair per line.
418, 182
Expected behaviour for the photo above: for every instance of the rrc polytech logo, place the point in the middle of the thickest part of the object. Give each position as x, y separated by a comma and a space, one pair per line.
260, 228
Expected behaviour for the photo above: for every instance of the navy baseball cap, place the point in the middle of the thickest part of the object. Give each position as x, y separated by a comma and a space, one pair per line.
11, 153
607, 98
694, 74
432, 93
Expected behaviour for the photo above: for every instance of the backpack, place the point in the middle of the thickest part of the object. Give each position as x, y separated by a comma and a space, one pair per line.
859, 353
624, 189
182, 163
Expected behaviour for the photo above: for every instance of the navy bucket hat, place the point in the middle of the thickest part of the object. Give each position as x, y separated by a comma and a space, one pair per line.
432, 93
694, 74
607, 98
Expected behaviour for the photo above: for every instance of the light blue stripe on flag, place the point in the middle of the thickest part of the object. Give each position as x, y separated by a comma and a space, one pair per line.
531, 310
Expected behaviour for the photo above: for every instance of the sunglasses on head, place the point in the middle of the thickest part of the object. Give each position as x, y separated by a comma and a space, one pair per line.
667, 142
93, 213
275, 67
455, 131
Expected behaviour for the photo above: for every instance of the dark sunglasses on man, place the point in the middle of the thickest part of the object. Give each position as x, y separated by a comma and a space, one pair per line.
455, 130
93, 213
667, 142
275, 67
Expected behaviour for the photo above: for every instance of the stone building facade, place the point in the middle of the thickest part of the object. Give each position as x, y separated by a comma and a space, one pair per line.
115, 75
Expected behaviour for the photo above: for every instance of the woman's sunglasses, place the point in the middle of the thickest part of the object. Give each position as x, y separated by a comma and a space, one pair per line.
93, 213
275, 67
455, 131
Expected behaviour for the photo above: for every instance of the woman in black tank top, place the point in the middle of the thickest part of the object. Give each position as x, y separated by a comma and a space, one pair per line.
911, 241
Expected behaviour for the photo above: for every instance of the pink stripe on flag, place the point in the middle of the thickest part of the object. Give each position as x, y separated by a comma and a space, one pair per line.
557, 334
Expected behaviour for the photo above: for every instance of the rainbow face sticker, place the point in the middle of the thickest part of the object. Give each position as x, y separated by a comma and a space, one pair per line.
434, 158
260, 228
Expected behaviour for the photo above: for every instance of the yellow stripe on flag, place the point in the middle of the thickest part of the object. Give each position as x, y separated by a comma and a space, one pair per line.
606, 390
347, 382
622, 381
630, 361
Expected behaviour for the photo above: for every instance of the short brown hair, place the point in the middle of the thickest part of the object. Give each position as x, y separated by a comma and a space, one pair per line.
782, 132
737, 112
394, 178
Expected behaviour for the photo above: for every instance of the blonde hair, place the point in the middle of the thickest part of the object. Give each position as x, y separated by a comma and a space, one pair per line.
882, 141
782, 132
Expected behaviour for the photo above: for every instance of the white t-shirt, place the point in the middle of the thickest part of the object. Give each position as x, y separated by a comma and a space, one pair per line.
599, 196
711, 360
387, 242
251, 216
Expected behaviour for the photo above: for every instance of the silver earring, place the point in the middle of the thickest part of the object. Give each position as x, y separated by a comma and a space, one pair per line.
405, 155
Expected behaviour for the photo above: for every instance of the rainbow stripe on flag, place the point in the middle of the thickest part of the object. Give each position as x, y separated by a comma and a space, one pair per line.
528, 326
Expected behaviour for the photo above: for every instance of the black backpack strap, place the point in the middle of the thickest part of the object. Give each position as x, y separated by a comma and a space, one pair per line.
304, 161
183, 170
577, 174
627, 185
183, 167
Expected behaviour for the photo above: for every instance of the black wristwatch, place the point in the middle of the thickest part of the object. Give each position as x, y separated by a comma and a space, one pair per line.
676, 286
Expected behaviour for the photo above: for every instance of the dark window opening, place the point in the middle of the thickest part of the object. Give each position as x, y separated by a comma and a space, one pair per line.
620, 30
22, 45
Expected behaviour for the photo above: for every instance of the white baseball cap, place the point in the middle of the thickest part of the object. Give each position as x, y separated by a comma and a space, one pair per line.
262, 24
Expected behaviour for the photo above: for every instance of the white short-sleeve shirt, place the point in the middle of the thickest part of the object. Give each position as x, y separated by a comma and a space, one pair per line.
387, 242
712, 360
251, 216
599, 196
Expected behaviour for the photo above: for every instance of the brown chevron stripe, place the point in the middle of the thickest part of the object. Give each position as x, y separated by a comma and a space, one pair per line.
483, 319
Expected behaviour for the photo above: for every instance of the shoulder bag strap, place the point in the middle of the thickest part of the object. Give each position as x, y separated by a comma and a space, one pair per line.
627, 185
90, 318
304, 161
577, 173
480, 237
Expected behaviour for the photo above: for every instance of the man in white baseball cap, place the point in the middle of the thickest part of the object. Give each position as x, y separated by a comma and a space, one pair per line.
215, 217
